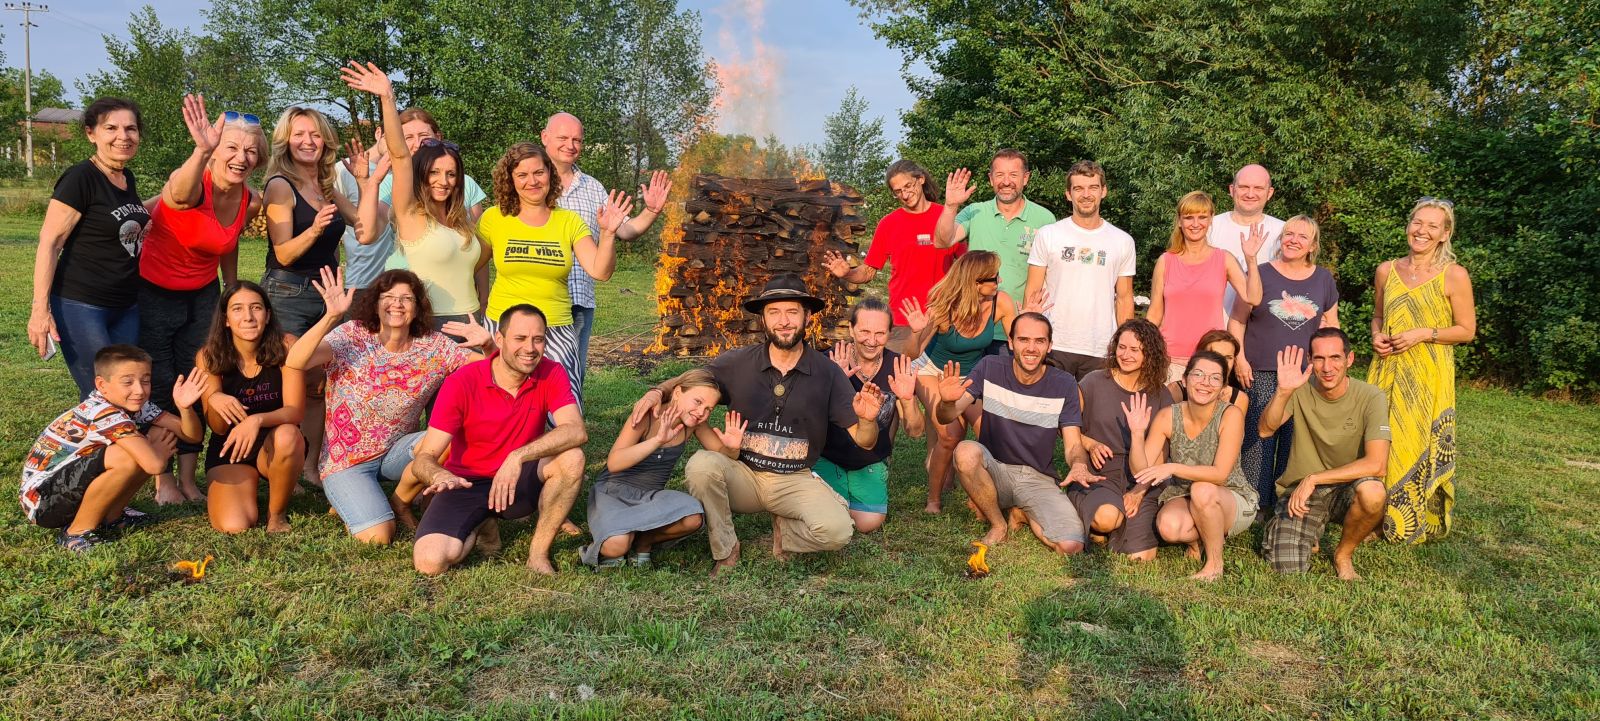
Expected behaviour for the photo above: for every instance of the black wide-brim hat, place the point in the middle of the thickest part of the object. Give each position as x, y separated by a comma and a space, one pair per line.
785, 287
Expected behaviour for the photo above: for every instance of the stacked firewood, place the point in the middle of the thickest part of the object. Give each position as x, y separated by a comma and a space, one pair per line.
735, 234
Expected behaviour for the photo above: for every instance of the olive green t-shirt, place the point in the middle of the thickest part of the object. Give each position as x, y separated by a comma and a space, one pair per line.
1329, 434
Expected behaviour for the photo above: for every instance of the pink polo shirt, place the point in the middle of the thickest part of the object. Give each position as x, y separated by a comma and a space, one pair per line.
486, 423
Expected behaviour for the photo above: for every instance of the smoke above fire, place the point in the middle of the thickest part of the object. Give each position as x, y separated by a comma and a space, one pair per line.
747, 69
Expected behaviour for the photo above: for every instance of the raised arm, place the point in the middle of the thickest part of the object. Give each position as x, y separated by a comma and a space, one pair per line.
368, 78
311, 351
635, 442
1246, 285
654, 196
958, 189
183, 189
1291, 375
837, 264
599, 259
953, 395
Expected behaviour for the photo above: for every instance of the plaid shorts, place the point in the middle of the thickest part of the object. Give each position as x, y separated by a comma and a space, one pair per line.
1288, 541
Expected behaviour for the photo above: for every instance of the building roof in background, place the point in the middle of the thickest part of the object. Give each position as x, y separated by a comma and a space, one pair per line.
58, 115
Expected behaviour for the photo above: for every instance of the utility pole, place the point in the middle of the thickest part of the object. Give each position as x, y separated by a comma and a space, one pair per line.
27, 9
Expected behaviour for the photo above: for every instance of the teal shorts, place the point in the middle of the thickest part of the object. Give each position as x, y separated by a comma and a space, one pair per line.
864, 489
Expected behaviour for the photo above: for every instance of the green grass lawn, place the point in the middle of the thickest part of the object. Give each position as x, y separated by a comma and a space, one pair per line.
1499, 621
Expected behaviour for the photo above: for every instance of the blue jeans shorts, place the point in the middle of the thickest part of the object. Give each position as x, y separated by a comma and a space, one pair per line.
355, 491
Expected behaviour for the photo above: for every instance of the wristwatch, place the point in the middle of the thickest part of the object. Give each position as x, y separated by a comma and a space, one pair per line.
1435, 336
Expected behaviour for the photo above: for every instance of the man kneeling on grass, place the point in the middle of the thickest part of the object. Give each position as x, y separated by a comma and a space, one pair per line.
1336, 465
89, 461
1026, 406
490, 415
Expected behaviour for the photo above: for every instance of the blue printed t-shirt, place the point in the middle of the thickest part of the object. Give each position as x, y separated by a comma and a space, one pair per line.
1021, 422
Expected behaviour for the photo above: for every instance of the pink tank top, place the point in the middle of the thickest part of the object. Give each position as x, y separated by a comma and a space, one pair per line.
1192, 294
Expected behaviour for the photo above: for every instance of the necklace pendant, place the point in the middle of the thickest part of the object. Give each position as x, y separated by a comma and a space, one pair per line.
778, 390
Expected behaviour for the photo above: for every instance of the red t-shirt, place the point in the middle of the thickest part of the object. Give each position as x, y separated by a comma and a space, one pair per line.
486, 423
905, 240
184, 247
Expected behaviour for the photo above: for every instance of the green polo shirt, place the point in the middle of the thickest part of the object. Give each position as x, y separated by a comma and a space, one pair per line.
1012, 240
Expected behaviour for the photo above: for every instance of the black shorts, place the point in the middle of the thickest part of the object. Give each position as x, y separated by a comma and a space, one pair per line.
1077, 364
62, 494
457, 513
215, 458
1137, 533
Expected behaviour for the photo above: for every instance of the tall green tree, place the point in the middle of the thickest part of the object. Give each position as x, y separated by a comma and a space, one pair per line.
854, 150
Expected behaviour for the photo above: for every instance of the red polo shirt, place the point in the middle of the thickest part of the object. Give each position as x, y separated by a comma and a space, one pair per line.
486, 423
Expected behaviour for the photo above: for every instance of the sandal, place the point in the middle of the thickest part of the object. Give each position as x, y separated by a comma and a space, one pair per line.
130, 518
640, 560
78, 543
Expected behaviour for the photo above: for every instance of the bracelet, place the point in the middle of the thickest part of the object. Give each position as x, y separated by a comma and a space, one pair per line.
657, 211
1435, 336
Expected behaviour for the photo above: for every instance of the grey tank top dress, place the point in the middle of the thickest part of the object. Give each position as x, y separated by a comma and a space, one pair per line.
636, 499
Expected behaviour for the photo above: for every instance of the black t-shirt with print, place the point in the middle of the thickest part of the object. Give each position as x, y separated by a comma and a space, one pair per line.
841, 449
99, 263
786, 433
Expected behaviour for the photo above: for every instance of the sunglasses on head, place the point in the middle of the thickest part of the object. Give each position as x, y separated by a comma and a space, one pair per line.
1430, 200
234, 116
431, 142
990, 279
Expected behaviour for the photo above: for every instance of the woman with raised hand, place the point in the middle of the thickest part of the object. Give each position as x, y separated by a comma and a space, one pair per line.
433, 228
533, 244
383, 365
631, 511
1297, 297
1187, 288
1423, 309
964, 310
1191, 451
86, 270
1136, 365
254, 405
195, 226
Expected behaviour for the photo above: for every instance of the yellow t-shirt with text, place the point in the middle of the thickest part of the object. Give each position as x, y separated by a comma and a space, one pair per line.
532, 263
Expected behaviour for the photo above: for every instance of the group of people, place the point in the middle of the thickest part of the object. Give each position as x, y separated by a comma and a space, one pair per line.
1004, 329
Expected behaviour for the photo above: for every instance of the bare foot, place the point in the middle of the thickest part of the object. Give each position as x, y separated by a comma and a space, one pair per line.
1208, 574
726, 564
995, 536
191, 492
541, 566
1193, 552
1346, 569
403, 512
933, 508
167, 491
488, 537
278, 524
1016, 519
568, 528
777, 542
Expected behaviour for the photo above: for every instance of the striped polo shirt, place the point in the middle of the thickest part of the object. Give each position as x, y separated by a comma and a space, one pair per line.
1022, 422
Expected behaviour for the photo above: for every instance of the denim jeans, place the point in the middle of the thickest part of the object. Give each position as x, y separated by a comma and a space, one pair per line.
297, 305
583, 323
355, 491
85, 329
172, 327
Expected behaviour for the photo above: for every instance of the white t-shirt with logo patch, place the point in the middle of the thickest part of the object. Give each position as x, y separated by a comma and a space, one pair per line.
1081, 268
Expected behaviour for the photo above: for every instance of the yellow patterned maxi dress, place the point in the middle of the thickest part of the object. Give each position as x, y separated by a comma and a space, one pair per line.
1421, 385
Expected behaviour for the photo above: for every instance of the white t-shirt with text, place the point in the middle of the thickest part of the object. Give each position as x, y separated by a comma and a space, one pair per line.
1081, 268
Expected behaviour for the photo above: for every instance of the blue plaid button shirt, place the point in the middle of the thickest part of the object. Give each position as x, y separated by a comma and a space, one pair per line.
585, 197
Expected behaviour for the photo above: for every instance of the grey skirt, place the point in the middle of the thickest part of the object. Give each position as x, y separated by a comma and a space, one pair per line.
618, 508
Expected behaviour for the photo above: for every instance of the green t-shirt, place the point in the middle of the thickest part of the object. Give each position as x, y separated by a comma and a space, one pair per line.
1012, 240
1329, 434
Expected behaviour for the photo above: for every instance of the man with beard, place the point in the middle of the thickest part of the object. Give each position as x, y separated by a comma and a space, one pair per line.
490, 415
858, 474
1011, 467
1005, 225
1085, 265
790, 395
1337, 462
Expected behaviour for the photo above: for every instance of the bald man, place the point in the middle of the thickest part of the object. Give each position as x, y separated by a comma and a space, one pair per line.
582, 194
1251, 189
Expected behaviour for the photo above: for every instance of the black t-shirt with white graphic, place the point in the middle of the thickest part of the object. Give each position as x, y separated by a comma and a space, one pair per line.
841, 448
99, 263
787, 431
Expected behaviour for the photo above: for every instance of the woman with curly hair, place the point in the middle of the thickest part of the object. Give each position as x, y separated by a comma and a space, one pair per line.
1136, 363
533, 244
963, 314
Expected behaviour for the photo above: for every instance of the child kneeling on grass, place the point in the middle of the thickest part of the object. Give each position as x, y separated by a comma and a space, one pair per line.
88, 463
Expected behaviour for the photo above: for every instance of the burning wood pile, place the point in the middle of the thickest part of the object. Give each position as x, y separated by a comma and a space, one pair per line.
730, 237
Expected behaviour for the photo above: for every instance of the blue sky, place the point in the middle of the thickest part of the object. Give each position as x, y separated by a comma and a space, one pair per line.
813, 51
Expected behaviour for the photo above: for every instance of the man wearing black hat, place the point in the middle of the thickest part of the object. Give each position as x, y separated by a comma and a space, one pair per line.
790, 394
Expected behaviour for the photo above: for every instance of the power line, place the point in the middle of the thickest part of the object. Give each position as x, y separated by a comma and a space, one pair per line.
28, 9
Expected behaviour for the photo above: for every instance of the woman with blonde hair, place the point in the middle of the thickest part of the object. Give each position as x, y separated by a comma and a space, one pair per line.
964, 310
1297, 298
1191, 277
1422, 309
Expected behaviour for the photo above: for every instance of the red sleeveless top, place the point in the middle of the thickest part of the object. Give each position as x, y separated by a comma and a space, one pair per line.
185, 247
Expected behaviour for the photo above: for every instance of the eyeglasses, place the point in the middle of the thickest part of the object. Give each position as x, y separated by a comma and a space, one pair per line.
990, 279
234, 116
1430, 200
401, 299
430, 142
1199, 376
